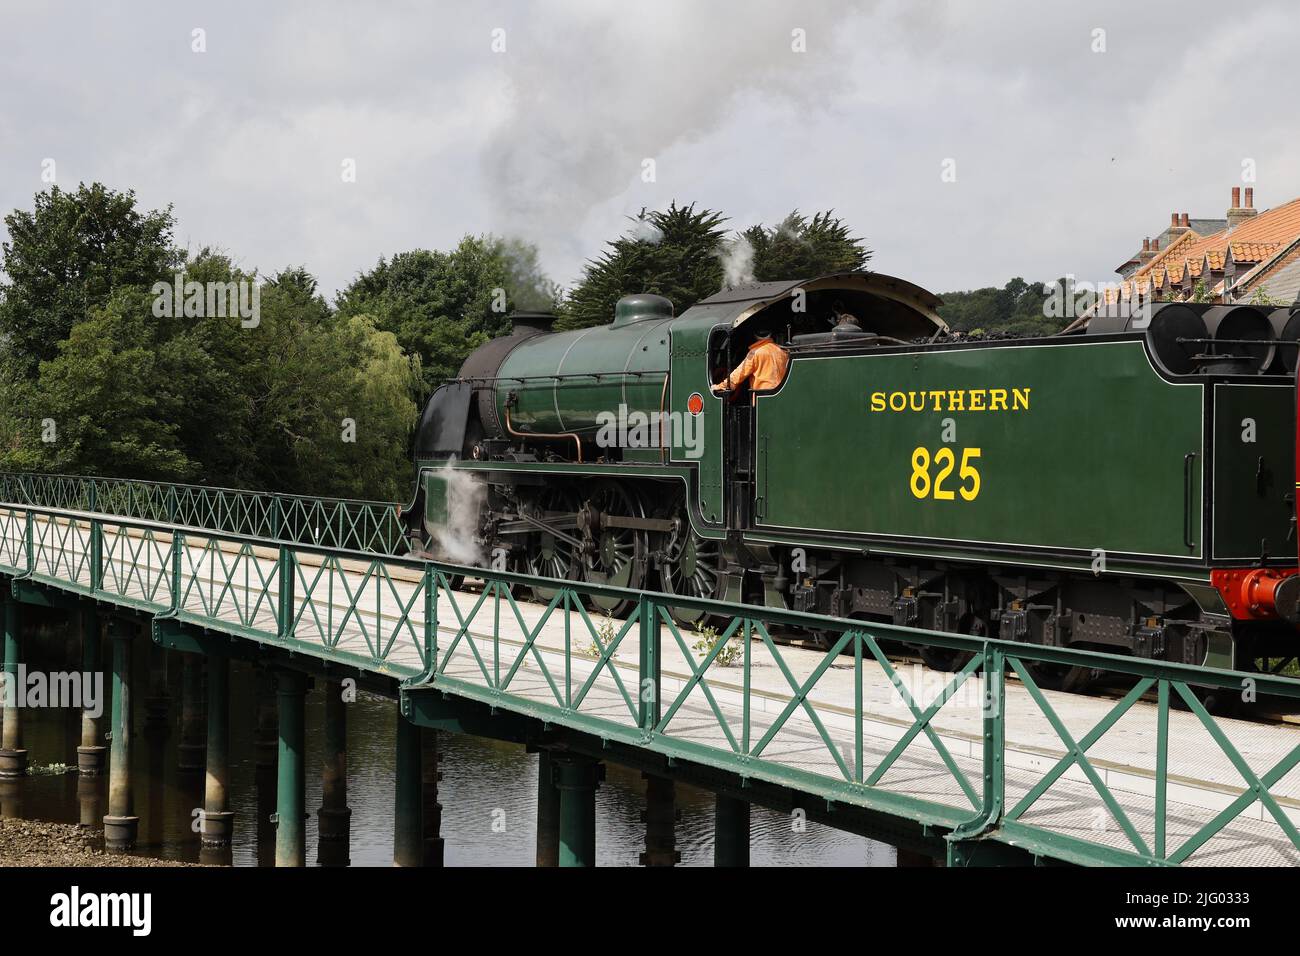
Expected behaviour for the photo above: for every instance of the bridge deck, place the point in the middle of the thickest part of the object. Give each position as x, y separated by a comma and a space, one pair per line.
377, 621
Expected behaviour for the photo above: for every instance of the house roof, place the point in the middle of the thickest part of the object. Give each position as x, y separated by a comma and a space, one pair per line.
1256, 240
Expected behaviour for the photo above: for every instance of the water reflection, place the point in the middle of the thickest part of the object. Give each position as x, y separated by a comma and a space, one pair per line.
488, 791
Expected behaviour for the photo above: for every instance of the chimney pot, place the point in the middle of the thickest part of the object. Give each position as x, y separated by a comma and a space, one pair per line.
1186, 221
1173, 219
1236, 197
1155, 244
1250, 197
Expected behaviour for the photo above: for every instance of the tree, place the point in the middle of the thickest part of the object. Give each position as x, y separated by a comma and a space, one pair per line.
801, 248
1017, 308
112, 401
440, 306
673, 253
67, 257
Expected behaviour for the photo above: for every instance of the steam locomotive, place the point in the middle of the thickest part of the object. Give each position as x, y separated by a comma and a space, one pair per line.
1129, 487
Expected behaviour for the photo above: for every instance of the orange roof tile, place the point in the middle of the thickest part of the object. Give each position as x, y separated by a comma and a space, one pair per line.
1215, 259
1253, 251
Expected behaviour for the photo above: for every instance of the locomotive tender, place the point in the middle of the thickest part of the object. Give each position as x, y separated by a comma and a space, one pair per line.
1130, 488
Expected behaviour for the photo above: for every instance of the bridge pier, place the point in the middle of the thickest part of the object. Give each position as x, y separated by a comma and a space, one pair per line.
91, 753
730, 832
334, 819
291, 798
430, 758
577, 778
190, 754
89, 801
218, 819
157, 706
548, 810
13, 758
660, 818
121, 826
266, 744
408, 831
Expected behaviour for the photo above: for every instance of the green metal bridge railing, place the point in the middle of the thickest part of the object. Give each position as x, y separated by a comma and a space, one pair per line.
388, 614
347, 524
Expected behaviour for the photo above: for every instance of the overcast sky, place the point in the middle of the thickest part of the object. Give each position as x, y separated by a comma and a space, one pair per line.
1064, 157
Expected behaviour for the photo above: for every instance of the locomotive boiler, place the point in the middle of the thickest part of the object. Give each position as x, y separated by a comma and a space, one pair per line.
1128, 488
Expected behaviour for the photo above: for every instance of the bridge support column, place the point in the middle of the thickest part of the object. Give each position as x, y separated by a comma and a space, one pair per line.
430, 758
577, 778
13, 758
91, 754
730, 832
334, 826
267, 747
121, 826
548, 811
408, 832
157, 706
218, 819
290, 814
190, 753
89, 800
660, 818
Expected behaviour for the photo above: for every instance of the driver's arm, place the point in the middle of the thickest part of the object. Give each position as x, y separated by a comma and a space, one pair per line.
741, 375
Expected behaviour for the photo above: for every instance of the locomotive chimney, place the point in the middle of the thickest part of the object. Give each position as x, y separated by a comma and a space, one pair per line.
531, 323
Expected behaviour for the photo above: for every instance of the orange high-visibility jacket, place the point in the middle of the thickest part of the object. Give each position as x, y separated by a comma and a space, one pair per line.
763, 367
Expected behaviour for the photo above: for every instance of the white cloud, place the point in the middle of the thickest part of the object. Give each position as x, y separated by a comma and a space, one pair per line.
1065, 158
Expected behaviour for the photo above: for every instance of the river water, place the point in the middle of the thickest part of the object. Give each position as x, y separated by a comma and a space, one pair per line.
488, 791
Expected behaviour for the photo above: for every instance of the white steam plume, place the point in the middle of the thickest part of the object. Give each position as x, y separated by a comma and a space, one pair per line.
666, 73
458, 540
737, 257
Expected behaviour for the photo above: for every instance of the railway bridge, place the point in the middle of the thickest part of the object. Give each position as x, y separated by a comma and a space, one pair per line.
977, 767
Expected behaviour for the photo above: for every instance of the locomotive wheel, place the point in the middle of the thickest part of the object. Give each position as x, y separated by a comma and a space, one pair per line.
950, 660
1060, 676
619, 556
552, 557
691, 567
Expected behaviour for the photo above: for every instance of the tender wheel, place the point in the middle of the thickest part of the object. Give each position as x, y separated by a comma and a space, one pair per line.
618, 558
691, 566
949, 660
552, 557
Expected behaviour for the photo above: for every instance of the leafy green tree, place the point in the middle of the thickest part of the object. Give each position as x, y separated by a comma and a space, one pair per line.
441, 306
112, 401
800, 248
66, 257
1018, 308
673, 253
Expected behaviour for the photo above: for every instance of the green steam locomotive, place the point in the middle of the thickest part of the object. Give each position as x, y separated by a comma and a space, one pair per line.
1128, 488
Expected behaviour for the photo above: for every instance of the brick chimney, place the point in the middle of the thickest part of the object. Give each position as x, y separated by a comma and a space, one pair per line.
1177, 225
1238, 213
1148, 252
1186, 223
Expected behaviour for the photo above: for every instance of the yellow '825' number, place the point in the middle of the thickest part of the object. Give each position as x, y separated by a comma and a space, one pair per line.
944, 461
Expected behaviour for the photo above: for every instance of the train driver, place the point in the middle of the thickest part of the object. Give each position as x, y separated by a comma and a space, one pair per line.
763, 367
